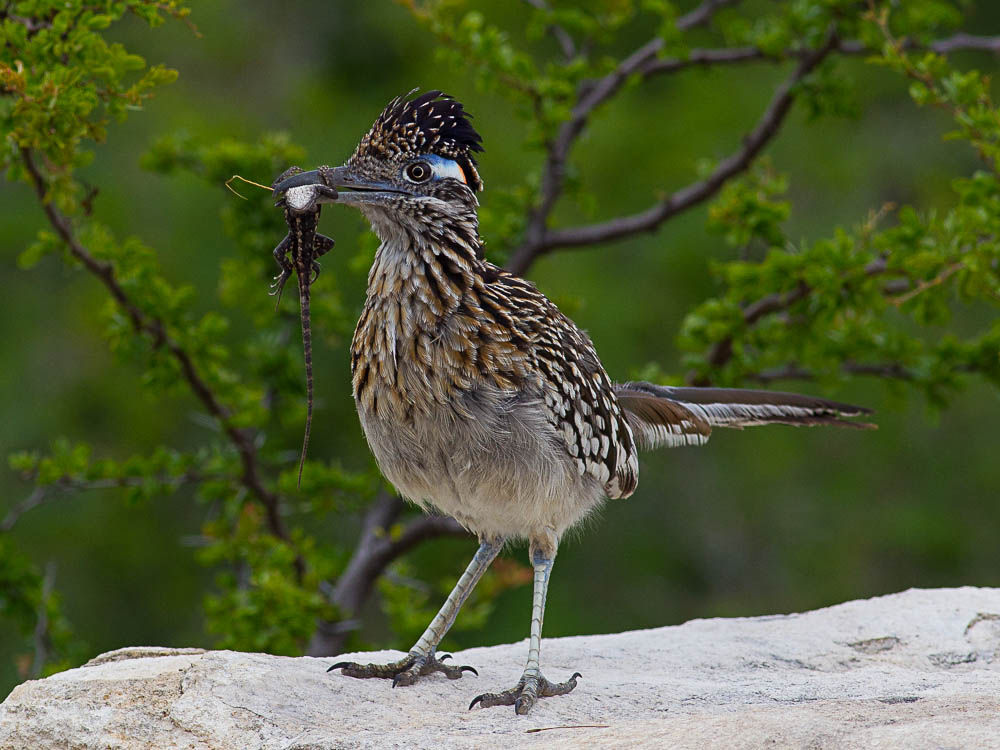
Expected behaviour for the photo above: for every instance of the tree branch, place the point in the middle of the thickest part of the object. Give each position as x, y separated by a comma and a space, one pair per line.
703, 13
554, 172
38, 496
847, 47
33, 25
722, 351
538, 239
40, 636
794, 372
960, 41
767, 127
706, 57
589, 98
242, 439
560, 34
375, 551
923, 286
43, 492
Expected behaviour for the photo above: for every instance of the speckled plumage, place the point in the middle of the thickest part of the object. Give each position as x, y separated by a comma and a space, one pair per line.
477, 396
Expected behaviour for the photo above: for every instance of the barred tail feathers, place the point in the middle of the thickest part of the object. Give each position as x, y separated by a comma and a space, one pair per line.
667, 416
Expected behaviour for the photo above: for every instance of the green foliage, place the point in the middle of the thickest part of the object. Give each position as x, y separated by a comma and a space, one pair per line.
261, 604
26, 600
868, 301
752, 209
252, 222
63, 84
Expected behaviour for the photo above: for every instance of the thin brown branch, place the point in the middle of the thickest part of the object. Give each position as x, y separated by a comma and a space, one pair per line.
962, 41
887, 370
722, 351
946, 273
705, 58
38, 496
847, 47
590, 97
703, 13
154, 328
979, 141
891, 370
648, 220
645, 61
554, 172
422, 529
33, 25
375, 551
566, 43
44, 493
40, 636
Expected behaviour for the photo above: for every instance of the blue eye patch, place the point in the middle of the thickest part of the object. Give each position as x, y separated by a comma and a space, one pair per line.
442, 168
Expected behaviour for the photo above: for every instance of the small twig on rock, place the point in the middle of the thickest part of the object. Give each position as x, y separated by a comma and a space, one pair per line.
568, 726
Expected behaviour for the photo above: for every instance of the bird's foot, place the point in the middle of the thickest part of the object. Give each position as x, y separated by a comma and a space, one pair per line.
523, 695
406, 671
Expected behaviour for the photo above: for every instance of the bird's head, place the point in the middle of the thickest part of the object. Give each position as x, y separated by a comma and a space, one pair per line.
414, 168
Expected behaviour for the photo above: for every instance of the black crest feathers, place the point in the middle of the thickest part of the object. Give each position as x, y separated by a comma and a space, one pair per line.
432, 123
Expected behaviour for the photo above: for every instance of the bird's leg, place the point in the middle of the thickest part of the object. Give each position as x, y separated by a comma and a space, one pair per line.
422, 660
532, 684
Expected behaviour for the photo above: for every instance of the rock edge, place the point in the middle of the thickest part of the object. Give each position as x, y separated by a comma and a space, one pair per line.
918, 669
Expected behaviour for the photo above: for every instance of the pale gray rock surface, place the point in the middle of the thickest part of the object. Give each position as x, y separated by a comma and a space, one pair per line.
915, 670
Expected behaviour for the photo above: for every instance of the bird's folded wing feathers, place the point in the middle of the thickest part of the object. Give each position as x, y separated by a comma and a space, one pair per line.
666, 416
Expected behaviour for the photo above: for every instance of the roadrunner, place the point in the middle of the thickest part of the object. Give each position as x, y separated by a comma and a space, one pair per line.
478, 397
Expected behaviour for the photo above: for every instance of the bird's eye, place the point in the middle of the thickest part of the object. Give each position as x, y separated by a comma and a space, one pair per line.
419, 171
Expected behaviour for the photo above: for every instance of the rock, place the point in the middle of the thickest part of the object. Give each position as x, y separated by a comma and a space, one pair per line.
915, 670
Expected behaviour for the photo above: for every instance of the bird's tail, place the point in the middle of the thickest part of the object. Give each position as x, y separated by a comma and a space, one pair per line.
662, 415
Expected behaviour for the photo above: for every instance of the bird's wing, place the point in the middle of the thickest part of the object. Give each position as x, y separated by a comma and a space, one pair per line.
582, 408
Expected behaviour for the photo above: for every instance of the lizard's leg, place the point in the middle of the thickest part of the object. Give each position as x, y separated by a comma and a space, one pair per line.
321, 246
281, 255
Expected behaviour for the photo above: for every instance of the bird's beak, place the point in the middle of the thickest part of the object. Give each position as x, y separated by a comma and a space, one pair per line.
347, 186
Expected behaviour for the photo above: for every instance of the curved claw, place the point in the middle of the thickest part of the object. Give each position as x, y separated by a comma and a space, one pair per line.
406, 671
524, 704
523, 696
463, 668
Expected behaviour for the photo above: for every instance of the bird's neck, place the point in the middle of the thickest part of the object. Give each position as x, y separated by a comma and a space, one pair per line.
417, 307
428, 265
